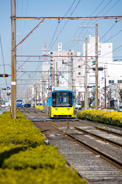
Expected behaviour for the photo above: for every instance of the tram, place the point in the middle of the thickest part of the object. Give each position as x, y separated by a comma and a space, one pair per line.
60, 104
19, 103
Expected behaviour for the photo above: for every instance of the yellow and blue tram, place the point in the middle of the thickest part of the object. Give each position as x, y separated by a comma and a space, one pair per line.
60, 104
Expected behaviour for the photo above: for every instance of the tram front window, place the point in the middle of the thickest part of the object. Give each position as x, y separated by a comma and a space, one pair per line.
62, 99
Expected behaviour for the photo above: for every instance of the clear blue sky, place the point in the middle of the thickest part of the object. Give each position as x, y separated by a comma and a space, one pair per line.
64, 31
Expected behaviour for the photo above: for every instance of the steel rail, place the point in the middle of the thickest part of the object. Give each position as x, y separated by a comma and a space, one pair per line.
109, 131
104, 155
100, 137
105, 130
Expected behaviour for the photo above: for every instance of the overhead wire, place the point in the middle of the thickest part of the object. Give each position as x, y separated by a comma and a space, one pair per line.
65, 24
60, 22
104, 14
101, 11
85, 21
104, 36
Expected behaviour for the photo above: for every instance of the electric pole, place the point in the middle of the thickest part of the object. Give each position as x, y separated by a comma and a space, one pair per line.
56, 74
42, 91
96, 65
13, 59
86, 93
70, 71
96, 68
104, 87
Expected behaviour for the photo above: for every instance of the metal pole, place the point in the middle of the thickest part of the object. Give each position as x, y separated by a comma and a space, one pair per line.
96, 68
42, 92
57, 74
86, 96
70, 71
13, 59
105, 86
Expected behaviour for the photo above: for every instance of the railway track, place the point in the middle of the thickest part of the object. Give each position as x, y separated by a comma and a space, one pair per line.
95, 154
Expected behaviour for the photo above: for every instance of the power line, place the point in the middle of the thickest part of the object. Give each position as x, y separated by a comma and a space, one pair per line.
100, 12
83, 23
64, 24
60, 22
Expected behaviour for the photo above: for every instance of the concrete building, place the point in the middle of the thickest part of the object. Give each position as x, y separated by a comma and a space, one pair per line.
111, 72
62, 68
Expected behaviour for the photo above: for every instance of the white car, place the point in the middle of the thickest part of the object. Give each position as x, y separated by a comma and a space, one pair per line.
120, 109
3, 105
78, 106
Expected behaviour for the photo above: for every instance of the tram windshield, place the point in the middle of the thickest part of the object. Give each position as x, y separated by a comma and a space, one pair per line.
62, 99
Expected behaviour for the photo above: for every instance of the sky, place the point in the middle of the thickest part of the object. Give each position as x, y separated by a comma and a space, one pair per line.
52, 32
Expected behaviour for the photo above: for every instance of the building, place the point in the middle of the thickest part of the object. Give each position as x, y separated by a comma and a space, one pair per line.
62, 68
109, 72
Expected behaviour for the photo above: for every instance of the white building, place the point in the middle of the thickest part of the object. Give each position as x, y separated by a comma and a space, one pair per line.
111, 70
78, 77
62, 68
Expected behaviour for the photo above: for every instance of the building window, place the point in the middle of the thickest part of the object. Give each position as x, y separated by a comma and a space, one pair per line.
109, 46
119, 81
111, 81
79, 73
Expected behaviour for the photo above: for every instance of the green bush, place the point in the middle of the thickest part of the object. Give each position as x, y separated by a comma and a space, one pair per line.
40, 176
7, 151
107, 117
39, 157
24, 157
19, 131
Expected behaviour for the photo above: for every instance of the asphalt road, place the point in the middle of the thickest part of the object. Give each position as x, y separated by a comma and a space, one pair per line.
2, 109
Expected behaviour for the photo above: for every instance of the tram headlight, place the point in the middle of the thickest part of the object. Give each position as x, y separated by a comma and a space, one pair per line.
55, 109
69, 109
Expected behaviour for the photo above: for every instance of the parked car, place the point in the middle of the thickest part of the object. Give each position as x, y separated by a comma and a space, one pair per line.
27, 105
120, 109
78, 106
3, 106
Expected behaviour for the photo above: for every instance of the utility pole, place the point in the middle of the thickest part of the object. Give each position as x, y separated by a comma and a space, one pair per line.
96, 65
104, 88
70, 71
96, 68
57, 74
86, 93
13, 59
42, 92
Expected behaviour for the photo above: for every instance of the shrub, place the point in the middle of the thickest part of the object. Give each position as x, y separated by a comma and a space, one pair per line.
24, 157
39, 157
8, 150
107, 117
40, 176
19, 131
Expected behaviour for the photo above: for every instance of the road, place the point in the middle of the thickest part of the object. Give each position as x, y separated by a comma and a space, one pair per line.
2, 109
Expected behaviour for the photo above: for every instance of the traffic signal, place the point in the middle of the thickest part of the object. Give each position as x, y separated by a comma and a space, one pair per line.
8, 94
3, 88
3, 75
99, 68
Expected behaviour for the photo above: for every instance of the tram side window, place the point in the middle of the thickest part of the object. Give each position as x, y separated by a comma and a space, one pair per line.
54, 99
70, 99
